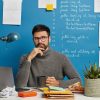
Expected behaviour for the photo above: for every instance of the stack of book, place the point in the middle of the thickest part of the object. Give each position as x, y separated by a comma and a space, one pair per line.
58, 93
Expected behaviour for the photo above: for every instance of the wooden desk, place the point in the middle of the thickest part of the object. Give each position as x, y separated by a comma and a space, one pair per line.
39, 97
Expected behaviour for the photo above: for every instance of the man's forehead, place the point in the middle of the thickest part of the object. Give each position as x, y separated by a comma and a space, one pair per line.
41, 33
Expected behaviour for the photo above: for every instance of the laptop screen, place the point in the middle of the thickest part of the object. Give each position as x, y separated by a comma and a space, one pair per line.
6, 77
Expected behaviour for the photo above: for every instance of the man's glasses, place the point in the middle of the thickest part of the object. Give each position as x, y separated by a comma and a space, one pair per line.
42, 38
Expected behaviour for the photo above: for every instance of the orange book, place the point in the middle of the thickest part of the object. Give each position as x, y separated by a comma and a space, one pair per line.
27, 93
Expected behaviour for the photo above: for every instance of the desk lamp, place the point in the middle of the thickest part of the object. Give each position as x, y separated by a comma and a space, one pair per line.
10, 37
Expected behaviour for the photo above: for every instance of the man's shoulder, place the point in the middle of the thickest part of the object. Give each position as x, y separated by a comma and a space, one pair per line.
57, 53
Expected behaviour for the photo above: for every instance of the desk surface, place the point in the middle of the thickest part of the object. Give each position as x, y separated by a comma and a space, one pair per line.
39, 97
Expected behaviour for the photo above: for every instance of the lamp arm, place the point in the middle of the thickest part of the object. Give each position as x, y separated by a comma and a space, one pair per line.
4, 38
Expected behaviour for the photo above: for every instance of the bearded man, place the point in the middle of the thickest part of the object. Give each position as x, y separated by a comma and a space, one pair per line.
44, 61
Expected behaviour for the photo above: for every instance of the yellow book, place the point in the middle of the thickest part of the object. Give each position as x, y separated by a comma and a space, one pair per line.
65, 92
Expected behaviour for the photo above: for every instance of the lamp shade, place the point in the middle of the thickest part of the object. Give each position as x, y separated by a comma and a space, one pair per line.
10, 37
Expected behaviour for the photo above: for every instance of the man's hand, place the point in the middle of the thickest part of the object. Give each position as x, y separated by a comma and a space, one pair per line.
76, 87
51, 81
34, 52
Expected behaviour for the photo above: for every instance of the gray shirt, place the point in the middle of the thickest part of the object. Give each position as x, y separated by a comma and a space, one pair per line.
51, 64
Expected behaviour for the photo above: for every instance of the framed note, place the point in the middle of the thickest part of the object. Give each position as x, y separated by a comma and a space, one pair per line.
97, 6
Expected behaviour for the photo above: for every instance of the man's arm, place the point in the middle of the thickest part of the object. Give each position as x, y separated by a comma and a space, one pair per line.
70, 72
24, 70
23, 73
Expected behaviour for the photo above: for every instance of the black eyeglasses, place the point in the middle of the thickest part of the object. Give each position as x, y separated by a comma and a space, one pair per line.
42, 38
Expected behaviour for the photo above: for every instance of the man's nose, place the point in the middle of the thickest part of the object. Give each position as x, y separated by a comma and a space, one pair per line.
40, 40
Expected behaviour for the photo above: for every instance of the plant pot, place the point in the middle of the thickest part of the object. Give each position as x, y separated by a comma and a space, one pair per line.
92, 87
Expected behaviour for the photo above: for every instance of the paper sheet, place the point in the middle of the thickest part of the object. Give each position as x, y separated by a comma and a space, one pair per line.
99, 58
97, 6
99, 34
99, 44
43, 3
8, 91
12, 12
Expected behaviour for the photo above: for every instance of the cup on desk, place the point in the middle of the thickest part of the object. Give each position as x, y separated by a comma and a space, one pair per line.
41, 81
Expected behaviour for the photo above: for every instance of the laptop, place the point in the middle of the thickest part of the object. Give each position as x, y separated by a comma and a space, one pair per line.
6, 77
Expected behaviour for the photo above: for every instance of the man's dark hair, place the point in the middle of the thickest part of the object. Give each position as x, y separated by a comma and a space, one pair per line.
39, 28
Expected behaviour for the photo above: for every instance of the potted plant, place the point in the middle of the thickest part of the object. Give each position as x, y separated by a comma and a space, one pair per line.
92, 80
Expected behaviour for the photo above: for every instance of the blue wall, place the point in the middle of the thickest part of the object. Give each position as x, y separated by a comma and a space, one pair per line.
74, 30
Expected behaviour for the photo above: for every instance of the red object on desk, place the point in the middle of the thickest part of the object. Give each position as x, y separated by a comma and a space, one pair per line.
27, 93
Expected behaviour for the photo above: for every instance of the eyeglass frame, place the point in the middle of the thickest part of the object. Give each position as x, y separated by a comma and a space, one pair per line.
42, 38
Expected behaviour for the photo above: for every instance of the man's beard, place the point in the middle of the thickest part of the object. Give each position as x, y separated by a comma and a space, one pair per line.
41, 45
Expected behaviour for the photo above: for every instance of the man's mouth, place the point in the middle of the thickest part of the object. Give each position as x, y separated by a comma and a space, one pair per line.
42, 46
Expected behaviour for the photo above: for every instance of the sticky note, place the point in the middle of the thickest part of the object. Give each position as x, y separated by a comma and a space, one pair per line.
49, 7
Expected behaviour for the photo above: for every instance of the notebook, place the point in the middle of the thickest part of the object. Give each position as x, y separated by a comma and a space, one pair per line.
6, 77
